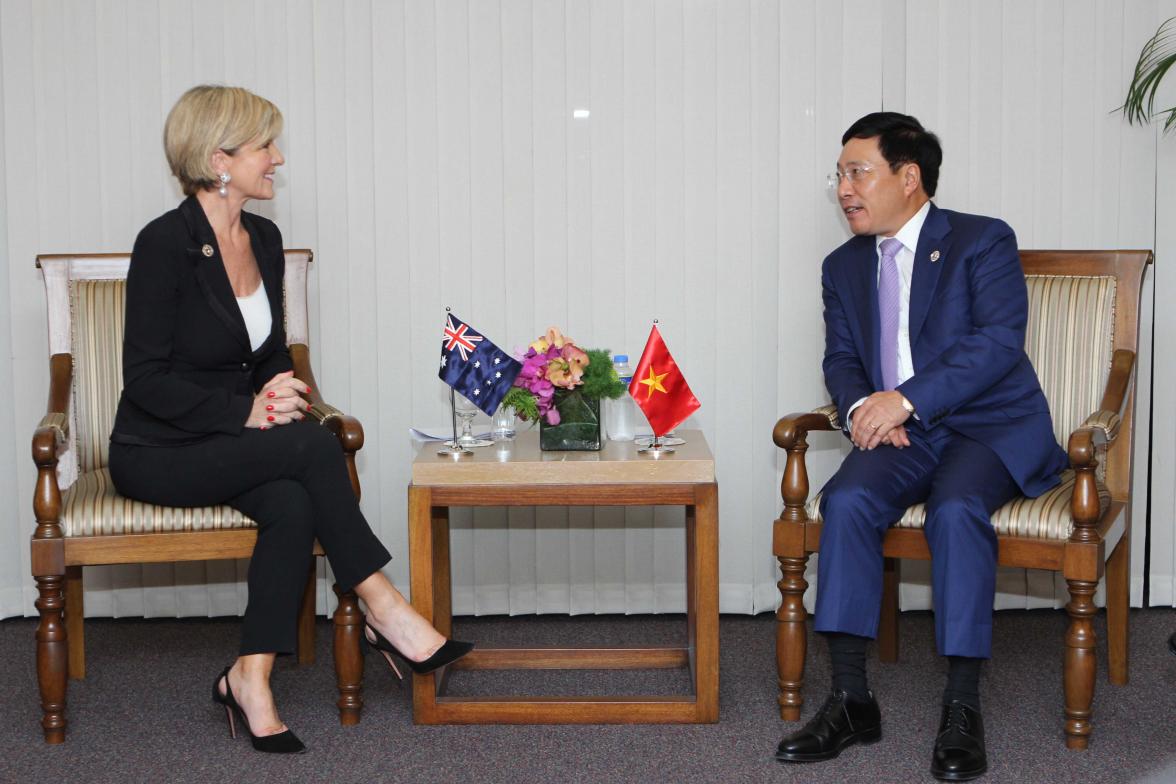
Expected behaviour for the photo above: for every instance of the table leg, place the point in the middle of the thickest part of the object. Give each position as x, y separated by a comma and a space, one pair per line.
691, 594
442, 585
703, 604
422, 582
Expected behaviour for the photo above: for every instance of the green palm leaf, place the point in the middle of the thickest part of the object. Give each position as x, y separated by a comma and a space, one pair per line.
1157, 56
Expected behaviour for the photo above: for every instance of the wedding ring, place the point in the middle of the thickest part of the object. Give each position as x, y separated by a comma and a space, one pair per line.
875, 426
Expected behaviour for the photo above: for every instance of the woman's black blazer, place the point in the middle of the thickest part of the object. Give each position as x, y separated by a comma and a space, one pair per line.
188, 369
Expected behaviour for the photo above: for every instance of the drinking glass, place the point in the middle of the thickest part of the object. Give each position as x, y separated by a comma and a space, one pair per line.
502, 426
466, 411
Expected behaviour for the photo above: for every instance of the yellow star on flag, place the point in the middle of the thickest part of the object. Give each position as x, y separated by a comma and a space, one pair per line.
653, 383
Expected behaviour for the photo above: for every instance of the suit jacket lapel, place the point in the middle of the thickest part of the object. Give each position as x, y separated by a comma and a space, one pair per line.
934, 240
864, 287
210, 271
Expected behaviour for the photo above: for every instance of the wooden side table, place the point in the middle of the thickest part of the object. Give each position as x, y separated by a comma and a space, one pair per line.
615, 476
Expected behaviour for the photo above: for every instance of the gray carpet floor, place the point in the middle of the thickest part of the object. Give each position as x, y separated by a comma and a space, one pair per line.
143, 714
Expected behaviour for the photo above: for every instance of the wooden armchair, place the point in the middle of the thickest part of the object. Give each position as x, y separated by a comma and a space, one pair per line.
1082, 337
81, 521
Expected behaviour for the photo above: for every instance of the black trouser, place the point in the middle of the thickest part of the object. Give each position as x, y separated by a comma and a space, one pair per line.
293, 481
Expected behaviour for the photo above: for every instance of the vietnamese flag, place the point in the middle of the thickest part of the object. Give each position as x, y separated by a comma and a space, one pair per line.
659, 387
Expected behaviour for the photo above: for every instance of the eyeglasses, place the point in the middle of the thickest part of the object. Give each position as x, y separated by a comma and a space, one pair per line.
855, 173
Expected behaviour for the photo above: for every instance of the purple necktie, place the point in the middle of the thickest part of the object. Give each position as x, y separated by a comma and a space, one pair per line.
888, 296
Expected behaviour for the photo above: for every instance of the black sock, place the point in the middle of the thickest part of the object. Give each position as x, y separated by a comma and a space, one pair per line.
848, 654
963, 681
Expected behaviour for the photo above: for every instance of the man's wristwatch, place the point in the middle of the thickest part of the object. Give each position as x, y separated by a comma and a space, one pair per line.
908, 405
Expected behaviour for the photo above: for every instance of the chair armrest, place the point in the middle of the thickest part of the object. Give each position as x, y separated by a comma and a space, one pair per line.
1084, 503
1098, 430
347, 428
789, 434
53, 430
1103, 425
1118, 381
51, 435
795, 426
57, 423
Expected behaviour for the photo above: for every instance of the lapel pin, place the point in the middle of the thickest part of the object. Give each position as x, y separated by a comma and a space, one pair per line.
208, 251
934, 256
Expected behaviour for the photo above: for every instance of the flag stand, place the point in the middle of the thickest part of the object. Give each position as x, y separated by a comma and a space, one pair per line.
454, 449
656, 448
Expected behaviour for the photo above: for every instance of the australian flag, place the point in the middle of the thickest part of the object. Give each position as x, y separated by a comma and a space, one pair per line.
474, 366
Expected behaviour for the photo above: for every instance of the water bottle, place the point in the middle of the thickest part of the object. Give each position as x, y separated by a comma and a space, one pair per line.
620, 418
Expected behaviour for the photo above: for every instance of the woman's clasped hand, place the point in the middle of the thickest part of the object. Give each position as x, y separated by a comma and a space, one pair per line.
279, 402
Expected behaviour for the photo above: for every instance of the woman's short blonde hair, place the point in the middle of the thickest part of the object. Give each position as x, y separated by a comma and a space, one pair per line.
208, 118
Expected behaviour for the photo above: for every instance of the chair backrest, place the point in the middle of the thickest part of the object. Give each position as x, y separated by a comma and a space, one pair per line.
86, 296
1083, 306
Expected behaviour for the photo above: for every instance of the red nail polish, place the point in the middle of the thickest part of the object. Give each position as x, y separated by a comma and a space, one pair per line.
269, 408
264, 427
269, 394
270, 418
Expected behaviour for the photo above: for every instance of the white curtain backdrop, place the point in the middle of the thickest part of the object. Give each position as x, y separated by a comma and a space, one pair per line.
433, 159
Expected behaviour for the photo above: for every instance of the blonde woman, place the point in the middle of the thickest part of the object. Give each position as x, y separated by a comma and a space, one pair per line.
211, 412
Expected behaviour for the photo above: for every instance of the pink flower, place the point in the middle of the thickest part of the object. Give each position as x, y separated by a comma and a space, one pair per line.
552, 361
533, 378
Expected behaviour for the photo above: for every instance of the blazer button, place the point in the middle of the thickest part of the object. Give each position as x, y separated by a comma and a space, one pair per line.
244, 366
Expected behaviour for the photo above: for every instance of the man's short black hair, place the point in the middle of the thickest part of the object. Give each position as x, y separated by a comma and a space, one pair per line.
901, 139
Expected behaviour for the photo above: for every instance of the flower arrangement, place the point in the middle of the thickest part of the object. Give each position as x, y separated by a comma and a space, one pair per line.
554, 369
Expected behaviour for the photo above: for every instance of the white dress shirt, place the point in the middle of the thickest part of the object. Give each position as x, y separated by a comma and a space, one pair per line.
908, 235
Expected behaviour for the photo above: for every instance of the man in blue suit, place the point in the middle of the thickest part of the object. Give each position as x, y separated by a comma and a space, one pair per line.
925, 313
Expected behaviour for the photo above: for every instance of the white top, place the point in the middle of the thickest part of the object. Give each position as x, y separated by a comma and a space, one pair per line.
908, 235
255, 309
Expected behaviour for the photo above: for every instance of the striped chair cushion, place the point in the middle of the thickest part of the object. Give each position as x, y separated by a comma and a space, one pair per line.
1070, 339
91, 507
97, 321
1045, 517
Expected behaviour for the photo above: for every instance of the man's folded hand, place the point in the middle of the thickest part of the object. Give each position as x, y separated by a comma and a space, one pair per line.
880, 420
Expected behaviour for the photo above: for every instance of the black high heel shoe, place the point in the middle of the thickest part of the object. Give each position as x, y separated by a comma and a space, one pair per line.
282, 743
448, 653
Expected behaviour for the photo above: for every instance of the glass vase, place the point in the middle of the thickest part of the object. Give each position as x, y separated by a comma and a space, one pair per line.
579, 424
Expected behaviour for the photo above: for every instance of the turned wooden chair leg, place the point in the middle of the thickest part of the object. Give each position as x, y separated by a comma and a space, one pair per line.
791, 636
52, 656
1079, 666
306, 617
75, 614
1118, 576
888, 622
348, 657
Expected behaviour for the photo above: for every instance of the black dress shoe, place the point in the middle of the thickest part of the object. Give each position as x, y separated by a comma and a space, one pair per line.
842, 721
285, 742
448, 653
959, 748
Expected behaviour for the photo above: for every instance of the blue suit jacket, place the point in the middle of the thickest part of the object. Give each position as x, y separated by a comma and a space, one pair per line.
968, 311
